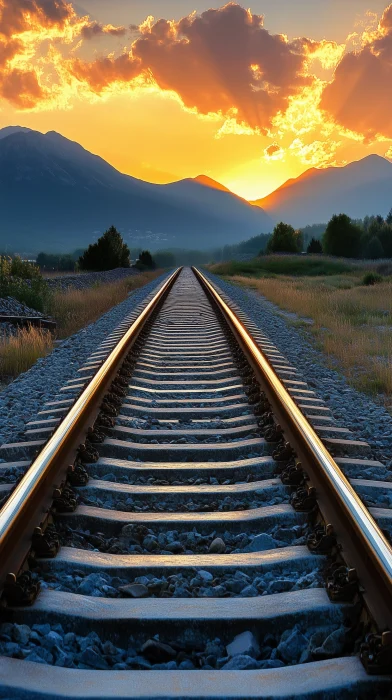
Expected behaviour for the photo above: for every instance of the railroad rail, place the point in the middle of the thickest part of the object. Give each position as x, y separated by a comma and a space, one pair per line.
185, 520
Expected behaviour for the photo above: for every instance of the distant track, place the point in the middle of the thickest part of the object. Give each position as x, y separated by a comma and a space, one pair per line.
189, 421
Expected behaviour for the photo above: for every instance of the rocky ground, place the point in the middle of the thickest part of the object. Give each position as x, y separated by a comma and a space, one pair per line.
139, 539
192, 584
52, 644
11, 307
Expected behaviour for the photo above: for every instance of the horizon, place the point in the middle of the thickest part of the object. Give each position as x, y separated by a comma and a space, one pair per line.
226, 92
203, 175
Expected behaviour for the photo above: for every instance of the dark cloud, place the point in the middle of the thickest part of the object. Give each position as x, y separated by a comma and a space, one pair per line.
95, 29
216, 61
360, 94
16, 16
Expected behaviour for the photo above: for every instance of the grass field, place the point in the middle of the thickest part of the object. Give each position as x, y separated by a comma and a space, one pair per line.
351, 322
73, 309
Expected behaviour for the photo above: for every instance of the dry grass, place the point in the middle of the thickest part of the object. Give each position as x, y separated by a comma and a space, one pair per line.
76, 308
20, 351
351, 322
73, 309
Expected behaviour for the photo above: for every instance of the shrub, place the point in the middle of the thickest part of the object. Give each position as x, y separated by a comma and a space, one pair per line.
342, 237
285, 240
145, 261
314, 247
23, 281
372, 278
107, 253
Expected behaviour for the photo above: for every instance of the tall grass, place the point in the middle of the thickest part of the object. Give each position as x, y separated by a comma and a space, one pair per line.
352, 323
20, 351
72, 309
76, 308
297, 265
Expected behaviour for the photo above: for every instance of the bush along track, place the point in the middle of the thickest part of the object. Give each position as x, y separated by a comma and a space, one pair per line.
186, 488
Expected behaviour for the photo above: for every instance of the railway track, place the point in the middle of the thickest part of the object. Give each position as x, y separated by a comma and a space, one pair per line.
186, 528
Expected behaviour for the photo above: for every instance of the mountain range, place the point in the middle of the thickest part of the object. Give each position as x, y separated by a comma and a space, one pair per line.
361, 188
57, 196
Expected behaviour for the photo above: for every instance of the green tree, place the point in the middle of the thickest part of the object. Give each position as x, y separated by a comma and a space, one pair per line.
314, 246
342, 237
285, 239
389, 217
374, 249
146, 261
385, 237
107, 253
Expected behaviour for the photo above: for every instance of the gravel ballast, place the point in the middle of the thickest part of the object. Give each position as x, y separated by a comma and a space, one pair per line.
197, 583
139, 539
351, 409
23, 398
52, 644
12, 307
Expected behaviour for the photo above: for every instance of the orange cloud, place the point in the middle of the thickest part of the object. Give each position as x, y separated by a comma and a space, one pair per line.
24, 27
273, 152
21, 88
216, 62
359, 96
103, 72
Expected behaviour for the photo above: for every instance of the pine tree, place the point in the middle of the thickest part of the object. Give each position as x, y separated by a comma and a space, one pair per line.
146, 261
107, 253
314, 246
285, 240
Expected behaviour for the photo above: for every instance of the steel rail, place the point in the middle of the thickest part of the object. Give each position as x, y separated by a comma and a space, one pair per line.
363, 543
61, 444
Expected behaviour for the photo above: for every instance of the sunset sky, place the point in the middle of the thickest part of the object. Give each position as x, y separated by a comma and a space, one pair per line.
250, 96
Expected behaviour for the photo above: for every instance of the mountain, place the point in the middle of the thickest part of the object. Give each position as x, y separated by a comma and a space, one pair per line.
56, 196
8, 130
361, 188
209, 182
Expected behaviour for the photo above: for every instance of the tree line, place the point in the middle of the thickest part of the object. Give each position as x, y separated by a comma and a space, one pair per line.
369, 238
107, 253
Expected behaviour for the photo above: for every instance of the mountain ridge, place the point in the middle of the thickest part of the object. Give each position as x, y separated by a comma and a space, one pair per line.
70, 195
362, 187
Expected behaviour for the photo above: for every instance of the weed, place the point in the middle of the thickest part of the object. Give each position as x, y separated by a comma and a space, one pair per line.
20, 351
352, 323
76, 308
371, 278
